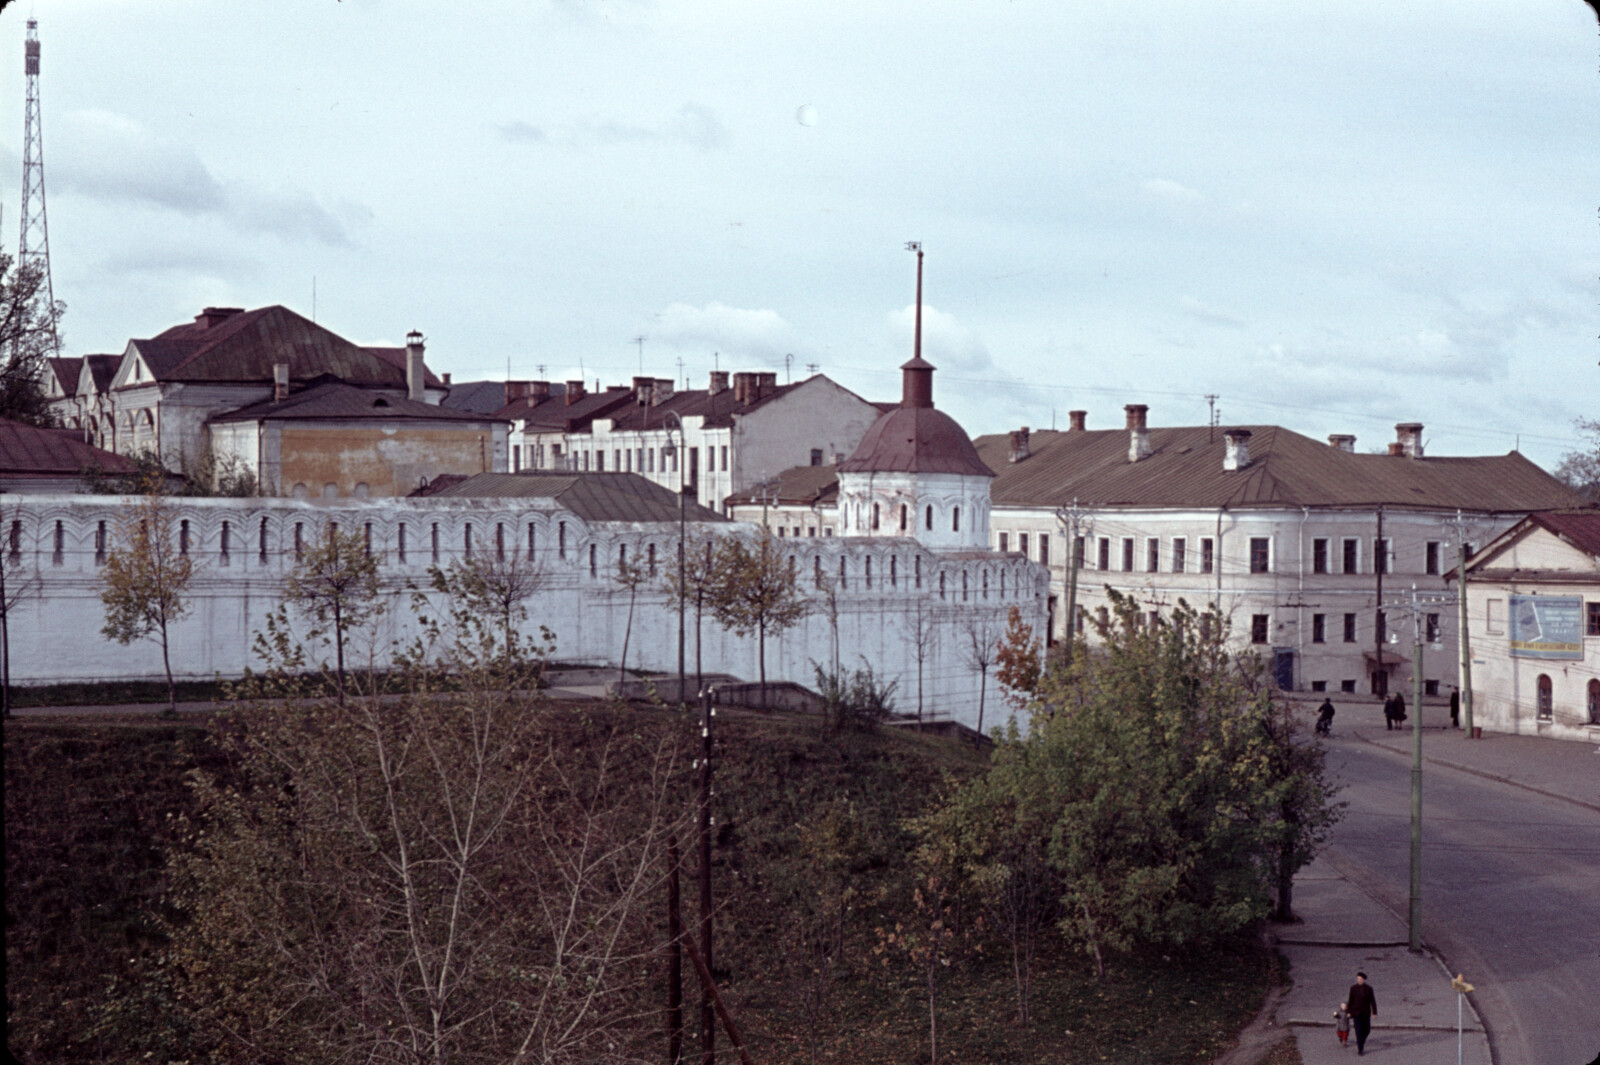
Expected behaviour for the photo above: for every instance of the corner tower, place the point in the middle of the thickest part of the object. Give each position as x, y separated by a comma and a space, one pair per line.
916, 472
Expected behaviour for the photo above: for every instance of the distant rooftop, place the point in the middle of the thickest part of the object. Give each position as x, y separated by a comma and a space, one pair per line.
591, 496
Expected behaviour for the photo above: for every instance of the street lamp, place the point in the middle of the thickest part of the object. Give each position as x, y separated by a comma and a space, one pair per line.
671, 418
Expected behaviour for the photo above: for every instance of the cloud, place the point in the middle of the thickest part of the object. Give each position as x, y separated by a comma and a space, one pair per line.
760, 333
113, 159
1195, 309
520, 132
694, 124
946, 343
1169, 191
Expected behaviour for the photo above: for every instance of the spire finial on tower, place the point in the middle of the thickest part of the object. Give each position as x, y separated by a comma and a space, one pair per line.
916, 376
916, 340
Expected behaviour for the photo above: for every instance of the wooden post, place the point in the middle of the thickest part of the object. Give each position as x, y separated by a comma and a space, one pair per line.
674, 956
708, 1020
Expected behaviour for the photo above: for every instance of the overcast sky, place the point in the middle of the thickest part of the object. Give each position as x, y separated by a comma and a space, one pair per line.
1334, 217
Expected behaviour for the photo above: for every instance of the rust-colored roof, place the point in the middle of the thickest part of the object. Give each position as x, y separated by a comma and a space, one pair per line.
802, 486
1286, 469
916, 440
1580, 528
102, 368
27, 451
556, 415
336, 400
716, 410
244, 346
66, 372
591, 496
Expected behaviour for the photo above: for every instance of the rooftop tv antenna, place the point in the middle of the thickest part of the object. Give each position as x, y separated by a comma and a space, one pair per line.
33, 248
1211, 419
639, 340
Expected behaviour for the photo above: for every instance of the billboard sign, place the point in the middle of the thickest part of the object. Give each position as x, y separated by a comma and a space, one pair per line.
1547, 626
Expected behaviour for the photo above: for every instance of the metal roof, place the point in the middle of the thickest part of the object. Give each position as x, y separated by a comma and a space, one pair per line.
591, 496
916, 440
796, 486
336, 400
28, 451
1286, 469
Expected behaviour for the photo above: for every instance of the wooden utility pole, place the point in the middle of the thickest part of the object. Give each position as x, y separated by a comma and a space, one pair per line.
674, 956
708, 1017
1414, 915
1075, 522
1463, 640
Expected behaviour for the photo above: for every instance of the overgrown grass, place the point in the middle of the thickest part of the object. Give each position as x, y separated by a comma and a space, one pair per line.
89, 810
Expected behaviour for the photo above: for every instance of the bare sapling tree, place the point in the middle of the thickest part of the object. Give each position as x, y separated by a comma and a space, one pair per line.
335, 585
145, 581
630, 575
697, 584
499, 587
980, 646
755, 593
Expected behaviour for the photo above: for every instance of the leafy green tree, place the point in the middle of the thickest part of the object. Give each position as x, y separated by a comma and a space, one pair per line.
146, 580
498, 589
29, 323
335, 584
754, 590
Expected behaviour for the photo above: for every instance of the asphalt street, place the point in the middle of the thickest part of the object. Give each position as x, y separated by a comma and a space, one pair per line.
1510, 890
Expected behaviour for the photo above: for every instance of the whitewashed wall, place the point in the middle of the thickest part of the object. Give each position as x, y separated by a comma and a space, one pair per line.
55, 631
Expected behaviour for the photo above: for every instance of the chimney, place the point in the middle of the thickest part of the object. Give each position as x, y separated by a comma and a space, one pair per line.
1345, 442
664, 387
280, 382
574, 392
743, 386
446, 378
719, 382
538, 391
766, 384
1409, 436
214, 316
516, 390
1019, 444
1138, 435
1397, 449
416, 372
1236, 449
1075, 420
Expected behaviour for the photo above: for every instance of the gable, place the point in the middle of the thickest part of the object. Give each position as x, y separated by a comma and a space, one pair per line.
1532, 548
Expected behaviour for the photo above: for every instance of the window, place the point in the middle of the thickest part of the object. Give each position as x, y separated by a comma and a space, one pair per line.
1430, 687
941, 584
223, 538
466, 540
1152, 555
1319, 685
1432, 628
1127, 554
584, 459
929, 519
1347, 685
1319, 555
1319, 628
1350, 632
650, 551
1077, 552
1380, 555
1546, 697
894, 572
1103, 558
1102, 616
724, 458
1207, 554
904, 515
955, 519
1044, 549
816, 572
1495, 616
14, 541
1022, 544
844, 573
183, 537
1591, 625
433, 543
638, 461
875, 517
694, 467
984, 584
399, 543
499, 540
1005, 543
1383, 626
300, 540
916, 567
1180, 547
366, 539
650, 460
594, 560
816, 456
262, 548
963, 586
1258, 628
1431, 558
1352, 555
866, 571
530, 543
1260, 553
1155, 618
561, 539
600, 462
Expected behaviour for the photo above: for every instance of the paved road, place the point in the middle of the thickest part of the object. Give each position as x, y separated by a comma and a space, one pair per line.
1511, 892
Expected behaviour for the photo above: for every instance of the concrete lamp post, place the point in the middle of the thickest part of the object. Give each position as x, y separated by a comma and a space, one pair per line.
670, 420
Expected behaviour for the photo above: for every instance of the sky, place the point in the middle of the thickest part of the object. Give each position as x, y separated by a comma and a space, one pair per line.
1331, 217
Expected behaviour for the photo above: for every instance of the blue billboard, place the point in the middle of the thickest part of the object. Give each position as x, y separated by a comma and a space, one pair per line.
1547, 626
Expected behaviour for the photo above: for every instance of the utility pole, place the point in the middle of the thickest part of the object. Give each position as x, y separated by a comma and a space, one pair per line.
1414, 916
1464, 640
788, 361
681, 453
1075, 522
708, 1017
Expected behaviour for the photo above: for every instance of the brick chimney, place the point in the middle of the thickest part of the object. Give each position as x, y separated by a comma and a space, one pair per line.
663, 389
766, 384
516, 390
538, 391
574, 392
1409, 436
1397, 449
416, 372
1138, 434
719, 382
1075, 420
1236, 449
446, 378
1345, 442
1019, 444
280, 382
214, 316
744, 384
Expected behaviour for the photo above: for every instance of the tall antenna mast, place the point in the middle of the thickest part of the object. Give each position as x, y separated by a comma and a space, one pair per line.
33, 248
916, 343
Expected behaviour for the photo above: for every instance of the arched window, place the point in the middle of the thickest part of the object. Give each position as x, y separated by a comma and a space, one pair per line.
844, 573
874, 517
894, 572
955, 519
1546, 697
986, 584
963, 586
1594, 702
816, 571
929, 520
866, 568
903, 517
941, 584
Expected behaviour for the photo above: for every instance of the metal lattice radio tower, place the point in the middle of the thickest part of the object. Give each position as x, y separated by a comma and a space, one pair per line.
33, 247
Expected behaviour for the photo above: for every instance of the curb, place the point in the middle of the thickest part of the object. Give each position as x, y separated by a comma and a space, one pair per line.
1482, 773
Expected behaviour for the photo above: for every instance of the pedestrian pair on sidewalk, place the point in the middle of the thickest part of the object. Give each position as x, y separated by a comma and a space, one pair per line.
1357, 1011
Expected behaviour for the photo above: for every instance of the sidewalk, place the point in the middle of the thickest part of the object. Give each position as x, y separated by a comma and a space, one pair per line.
1561, 769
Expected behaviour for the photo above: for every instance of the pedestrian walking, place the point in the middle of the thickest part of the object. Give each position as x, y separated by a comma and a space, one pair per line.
1388, 714
1341, 1024
1362, 1003
1324, 725
1455, 707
